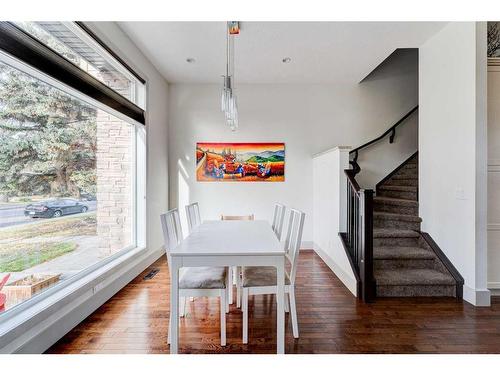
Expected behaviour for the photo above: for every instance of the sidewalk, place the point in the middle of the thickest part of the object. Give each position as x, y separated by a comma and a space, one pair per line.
85, 255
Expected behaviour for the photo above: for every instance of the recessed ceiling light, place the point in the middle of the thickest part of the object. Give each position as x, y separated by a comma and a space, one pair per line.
286, 60
190, 60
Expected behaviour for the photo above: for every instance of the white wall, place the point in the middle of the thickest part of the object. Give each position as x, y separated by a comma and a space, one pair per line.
452, 155
494, 178
330, 212
308, 118
382, 158
156, 126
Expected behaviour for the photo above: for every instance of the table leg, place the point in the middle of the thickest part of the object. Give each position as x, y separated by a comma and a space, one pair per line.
174, 306
280, 312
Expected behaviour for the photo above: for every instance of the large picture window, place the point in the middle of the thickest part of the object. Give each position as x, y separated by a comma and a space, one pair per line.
71, 42
68, 183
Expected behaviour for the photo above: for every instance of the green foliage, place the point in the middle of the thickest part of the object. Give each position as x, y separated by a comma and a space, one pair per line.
24, 256
47, 138
85, 180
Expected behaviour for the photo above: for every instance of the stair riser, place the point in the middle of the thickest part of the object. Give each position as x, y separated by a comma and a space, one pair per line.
416, 291
403, 263
396, 209
397, 194
395, 224
403, 182
411, 166
395, 241
413, 172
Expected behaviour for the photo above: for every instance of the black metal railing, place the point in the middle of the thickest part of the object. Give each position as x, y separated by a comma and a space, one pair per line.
391, 132
358, 239
359, 235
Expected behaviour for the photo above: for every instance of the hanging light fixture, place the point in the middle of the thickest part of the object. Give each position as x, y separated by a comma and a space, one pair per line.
228, 99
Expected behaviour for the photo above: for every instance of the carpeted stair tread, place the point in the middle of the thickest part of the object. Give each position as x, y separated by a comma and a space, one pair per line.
394, 216
408, 276
412, 189
396, 201
410, 167
402, 176
401, 252
403, 266
394, 233
404, 181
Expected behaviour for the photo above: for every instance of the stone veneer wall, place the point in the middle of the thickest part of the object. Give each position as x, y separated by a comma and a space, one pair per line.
114, 183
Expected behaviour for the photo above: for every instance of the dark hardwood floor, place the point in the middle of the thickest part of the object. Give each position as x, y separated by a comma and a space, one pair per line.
331, 320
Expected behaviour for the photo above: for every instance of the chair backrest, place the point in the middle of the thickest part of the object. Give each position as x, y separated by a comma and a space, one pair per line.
278, 219
193, 215
293, 240
172, 230
229, 217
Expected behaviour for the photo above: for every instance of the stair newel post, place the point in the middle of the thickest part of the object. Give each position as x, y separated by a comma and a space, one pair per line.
366, 245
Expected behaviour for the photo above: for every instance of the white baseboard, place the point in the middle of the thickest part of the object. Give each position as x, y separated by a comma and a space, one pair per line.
41, 331
348, 280
477, 297
307, 245
494, 288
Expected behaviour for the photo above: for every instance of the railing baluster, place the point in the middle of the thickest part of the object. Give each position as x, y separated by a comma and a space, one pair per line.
348, 214
355, 233
359, 236
366, 233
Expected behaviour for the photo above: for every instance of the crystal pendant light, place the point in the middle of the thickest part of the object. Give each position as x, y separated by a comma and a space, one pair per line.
229, 104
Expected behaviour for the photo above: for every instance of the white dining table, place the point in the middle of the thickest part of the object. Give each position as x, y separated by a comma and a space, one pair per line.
229, 243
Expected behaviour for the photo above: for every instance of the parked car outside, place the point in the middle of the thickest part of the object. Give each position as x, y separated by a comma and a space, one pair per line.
87, 197
55, 208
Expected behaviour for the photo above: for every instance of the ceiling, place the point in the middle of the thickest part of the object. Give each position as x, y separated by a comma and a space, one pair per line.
320, 52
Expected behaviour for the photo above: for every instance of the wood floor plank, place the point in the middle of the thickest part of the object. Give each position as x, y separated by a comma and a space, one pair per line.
331, 320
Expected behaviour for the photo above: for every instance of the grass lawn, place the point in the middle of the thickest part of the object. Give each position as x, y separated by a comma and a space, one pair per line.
22, 256
25, 246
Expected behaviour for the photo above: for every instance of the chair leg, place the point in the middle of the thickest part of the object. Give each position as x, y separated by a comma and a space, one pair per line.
223, 304
287, 305
230, 285
245, 314
182, 306
227, 290
238, 288
293, 313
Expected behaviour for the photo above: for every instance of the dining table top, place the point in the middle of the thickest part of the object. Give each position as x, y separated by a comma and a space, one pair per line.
230, 237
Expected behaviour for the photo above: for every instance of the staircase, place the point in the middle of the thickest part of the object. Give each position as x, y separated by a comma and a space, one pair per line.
404, 264
388, 253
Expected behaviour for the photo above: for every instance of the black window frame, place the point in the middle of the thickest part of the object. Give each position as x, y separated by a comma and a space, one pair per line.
26, 48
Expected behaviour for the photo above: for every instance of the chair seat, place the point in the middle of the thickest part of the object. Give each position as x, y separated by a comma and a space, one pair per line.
260, 276
203, 278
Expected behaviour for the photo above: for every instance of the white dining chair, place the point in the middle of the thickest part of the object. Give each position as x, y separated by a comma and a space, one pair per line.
235, 274
195, 281
278, 219
193, 215
262, 280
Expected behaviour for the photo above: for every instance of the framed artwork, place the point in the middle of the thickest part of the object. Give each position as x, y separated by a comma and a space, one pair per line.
252, 162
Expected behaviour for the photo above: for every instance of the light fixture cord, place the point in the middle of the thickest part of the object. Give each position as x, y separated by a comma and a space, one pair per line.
228, 50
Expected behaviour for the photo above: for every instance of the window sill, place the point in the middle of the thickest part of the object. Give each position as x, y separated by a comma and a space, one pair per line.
34, 327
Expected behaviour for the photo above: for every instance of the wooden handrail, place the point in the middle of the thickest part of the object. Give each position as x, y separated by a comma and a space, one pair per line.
351, 180
391, 131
